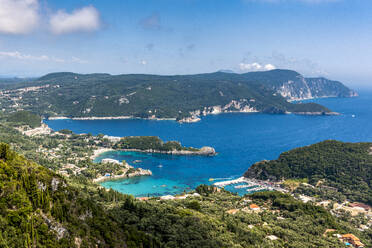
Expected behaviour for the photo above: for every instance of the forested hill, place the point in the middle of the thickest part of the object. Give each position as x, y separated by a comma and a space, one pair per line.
153, 96
344, 166
39, 209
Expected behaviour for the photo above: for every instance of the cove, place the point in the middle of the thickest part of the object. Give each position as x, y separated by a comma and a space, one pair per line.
239, 139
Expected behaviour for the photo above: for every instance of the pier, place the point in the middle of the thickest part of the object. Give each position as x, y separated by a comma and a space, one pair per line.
252, 185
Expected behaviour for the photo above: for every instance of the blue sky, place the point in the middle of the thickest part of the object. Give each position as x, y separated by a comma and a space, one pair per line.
332, 38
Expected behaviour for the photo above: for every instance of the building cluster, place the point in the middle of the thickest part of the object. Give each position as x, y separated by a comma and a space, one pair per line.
350, 240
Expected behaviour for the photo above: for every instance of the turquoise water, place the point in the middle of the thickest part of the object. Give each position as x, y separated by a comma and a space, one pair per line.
239, 139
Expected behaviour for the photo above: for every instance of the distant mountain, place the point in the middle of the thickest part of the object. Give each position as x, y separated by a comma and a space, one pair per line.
226, 71
184, 97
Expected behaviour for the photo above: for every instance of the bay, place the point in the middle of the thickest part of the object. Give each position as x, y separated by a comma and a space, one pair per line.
239, 139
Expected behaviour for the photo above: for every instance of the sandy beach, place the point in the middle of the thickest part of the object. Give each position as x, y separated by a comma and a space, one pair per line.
99, 151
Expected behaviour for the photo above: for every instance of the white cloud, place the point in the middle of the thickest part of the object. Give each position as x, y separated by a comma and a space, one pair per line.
250, 67
86, 19
18, 16
256, 67
78, 60
21, 56
18, 55
269, 67
143, 62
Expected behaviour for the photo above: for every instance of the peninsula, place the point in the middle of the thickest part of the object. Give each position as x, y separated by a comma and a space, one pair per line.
153, 144
333, 169
124, 171
185, 98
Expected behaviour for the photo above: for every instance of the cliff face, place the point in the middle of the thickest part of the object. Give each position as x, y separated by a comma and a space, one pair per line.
294, 86
308, 88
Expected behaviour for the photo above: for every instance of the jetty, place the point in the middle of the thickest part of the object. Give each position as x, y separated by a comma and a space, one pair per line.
252, 185
230, 182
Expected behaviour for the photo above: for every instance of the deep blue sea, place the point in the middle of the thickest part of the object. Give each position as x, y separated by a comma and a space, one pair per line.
239, 139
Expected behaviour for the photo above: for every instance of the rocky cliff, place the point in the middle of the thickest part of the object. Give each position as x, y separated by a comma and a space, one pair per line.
300, 88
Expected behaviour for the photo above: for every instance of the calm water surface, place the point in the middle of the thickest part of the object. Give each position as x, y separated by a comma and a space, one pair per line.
239, 139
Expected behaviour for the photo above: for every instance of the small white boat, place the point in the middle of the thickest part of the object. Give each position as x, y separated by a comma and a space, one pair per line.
160, 166
353, 116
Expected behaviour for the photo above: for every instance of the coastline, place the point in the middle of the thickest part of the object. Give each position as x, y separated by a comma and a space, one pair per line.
107, 118
137, 173
204, 151
317, 113
99, 151
190, 119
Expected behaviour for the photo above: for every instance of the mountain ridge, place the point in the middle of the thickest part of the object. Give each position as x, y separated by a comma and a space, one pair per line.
181, 97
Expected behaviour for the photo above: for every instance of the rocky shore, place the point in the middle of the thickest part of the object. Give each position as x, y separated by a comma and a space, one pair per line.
316, 113
138, 172
108, 118
127, 172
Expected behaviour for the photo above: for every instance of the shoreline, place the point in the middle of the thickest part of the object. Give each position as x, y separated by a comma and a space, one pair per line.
191, 119
251, 184
107, 118
204, 151
141, 172
100, 151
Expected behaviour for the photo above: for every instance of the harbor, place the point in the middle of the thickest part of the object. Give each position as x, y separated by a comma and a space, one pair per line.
251, 185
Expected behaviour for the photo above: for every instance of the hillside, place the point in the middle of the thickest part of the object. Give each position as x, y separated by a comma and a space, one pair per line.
41, 209
153, 96
344, 166
38, 208
25, 118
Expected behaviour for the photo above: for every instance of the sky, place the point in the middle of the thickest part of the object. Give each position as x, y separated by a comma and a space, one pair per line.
331, 38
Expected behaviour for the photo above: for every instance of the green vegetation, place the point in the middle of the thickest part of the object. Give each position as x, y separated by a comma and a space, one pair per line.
63, 152
205, 222
343, 167
150, 143
294, 183
39, 209
148, 96
25, 118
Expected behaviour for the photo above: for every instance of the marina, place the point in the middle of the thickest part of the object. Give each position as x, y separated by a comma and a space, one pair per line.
251, 185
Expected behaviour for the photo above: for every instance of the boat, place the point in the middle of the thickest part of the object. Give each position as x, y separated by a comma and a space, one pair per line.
211, 179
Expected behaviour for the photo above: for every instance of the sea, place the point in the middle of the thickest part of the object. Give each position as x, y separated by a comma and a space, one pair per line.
240, 140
